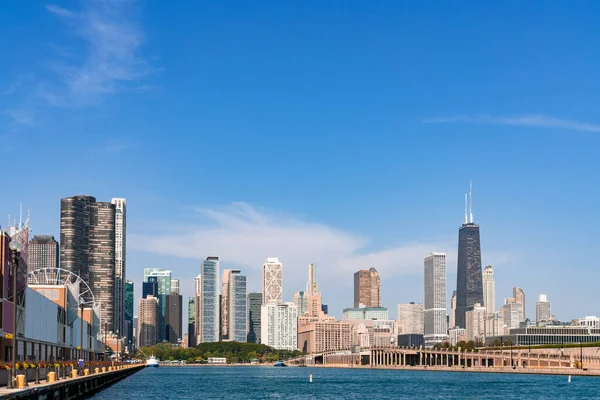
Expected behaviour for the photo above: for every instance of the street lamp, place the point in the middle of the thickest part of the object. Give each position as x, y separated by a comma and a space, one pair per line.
81, 329
15, 250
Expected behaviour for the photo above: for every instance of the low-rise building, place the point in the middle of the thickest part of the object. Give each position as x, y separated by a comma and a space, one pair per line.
549, 334
324, 335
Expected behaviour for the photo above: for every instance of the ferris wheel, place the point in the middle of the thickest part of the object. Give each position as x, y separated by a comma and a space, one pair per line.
59, 276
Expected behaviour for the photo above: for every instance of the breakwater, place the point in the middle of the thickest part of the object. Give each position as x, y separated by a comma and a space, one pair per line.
70, 388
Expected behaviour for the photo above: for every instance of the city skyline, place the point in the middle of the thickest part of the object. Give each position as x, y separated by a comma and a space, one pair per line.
524, 132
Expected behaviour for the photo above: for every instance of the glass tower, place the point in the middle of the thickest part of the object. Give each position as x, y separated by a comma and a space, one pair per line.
210, 300
237, 307
254, 304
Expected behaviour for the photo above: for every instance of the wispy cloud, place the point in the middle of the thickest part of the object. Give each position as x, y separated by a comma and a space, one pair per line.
533, 120
245, 236
111, 61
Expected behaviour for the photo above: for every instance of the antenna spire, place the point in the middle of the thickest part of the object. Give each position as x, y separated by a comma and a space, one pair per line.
471, 204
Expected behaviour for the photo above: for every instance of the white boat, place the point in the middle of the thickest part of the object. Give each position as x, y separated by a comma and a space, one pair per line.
152, 362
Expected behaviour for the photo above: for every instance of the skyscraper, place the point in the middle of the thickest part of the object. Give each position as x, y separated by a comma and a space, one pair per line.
435, 326
173, 322
475, 319
511, 313
87, 248
469, 286
272, 281
175, 286
129, 310
453, 310
192, 322
410, 318
300, 300
489, 290
519, 296
198, 309
237, 307
148, 321
314, 296
279, 325
542, 309
224, 315
209, 312
254, 319
367, 288
120, 270
43, 253
150, 287
163, 278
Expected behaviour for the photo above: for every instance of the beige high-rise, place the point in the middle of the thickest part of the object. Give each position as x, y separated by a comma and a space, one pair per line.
148, 321
367, 288
519, 296
272, 281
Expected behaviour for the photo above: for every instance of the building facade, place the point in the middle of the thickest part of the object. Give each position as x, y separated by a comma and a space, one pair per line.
542, 309
301, 301
237, 307
519, 296
120, 262
434, 306
272, 281
150, 287
452, 315
365, 313
279, 325
210, 305
129, 296
175, 286
475, 319
44, 252
367, 288
174, 318
511, 313
191, 322
489, 289
410, 319
469, 285
322, 336
87, 248
163, 279
148, 321
254, 317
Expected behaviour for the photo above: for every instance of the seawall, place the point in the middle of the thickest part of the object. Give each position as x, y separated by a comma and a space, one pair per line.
70, 388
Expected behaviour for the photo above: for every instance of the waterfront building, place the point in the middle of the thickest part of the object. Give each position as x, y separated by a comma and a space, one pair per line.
475, 319
174, 330
163, 279
519, 296
452, 322
411, 340
365, 313
254, 317
148, 321
87, 248
589, 322
469, 286
494, 324
209, 308
327, 335
511, 313
367, 288
129, 295
272, 281
300, 300
150, 287
279, 325
120, 259
489, 289
236, 307
410, 318
456, 335
542, 309
434, 306
44, 252
549, 334
175, 286
191, 335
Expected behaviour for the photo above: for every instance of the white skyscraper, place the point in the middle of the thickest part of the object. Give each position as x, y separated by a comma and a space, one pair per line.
489, 289
410, 318
175, 286
435, 325
209, 308
475, 319
272, 281
453, 310
542, 309
198, 285
120, 270
519, 296
279, 326
237, 307
511, 313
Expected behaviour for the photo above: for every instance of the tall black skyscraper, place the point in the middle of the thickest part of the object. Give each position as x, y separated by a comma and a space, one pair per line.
150, 287
254, 304
469, 285
87, 248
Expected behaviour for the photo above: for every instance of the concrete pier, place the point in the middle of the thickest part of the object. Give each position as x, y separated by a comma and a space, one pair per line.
70, 388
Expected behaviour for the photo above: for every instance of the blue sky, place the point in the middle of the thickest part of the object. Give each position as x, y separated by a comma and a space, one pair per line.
341, 133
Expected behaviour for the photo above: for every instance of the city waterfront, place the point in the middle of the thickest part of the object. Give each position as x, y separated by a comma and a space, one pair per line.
329, 383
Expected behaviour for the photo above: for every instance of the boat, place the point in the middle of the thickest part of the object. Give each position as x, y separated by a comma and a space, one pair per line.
152, 362
280, 364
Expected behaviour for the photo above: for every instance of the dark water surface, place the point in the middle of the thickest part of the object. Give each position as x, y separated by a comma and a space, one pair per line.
328, 383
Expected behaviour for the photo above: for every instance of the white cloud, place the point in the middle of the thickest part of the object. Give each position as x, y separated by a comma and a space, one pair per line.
244, 237
533, 120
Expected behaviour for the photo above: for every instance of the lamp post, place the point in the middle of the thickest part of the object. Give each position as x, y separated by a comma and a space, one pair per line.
15, 250
117, 345
81, 329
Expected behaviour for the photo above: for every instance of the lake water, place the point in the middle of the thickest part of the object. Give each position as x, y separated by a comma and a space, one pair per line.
328, 383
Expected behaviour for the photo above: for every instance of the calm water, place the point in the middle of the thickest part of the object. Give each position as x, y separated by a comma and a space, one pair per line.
292, 383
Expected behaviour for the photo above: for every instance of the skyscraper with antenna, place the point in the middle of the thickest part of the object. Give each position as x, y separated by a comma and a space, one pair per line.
469, 284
